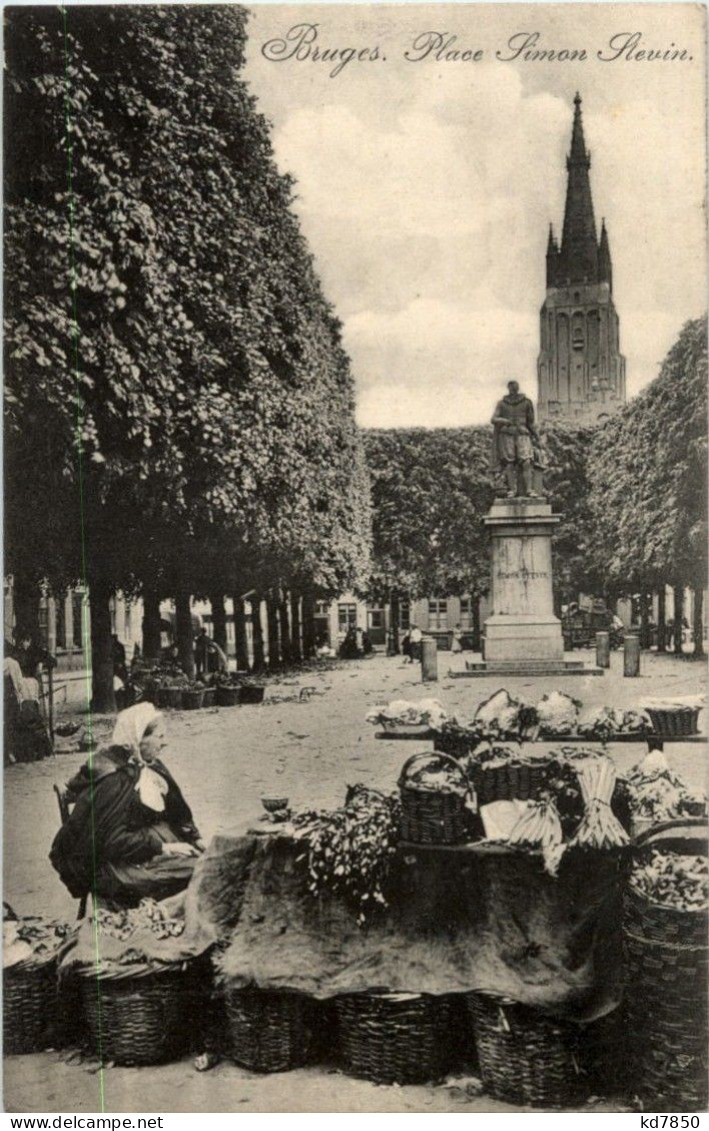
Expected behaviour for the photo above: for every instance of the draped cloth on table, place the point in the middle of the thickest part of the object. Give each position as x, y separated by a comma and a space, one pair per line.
478, 918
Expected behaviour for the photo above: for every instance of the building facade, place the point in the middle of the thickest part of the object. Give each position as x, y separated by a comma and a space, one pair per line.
580, 369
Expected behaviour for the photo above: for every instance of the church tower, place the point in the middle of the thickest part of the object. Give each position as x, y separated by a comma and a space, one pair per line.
580, 370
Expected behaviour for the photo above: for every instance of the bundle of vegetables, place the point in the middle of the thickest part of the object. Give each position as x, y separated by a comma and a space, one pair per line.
349, 850
30, 941
149, 915
459, 739
496, 754
224, 679
600, 723
173, 678
674, 880
558, 714
540, 828
635, 722
657, 793
506, 717
425, 712
599, 827
438, 777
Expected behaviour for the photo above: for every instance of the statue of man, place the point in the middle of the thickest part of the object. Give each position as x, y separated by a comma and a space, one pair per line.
514, 440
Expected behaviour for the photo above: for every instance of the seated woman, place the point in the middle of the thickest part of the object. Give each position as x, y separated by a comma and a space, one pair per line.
130, 834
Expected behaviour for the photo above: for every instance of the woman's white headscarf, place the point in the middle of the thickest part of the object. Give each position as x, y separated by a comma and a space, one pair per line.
129, 731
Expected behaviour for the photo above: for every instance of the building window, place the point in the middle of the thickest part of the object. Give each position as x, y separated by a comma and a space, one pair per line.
60, 621
405, 615
466, 612
438, 614
346, 616
77, 609
376, 618
43, 618
322, 608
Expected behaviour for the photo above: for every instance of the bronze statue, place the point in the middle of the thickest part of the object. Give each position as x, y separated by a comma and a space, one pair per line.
515, 442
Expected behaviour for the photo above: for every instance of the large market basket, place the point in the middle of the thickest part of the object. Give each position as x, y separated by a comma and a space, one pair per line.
523, 780
525, 1056
674, 721
29, 1006
431, 816
142, 1019
269, 1030
395, 1038
666, 961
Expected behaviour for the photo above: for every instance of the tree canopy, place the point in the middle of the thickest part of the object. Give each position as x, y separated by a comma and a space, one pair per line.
647, 472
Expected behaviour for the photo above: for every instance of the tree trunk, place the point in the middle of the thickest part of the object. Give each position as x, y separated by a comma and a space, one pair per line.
644, 621
242, 642
185, 634
218, 620
285, 628
151, 624
296, 628
308, 619
103, 699
257, 632
25, 601
679, 616
661, 620
698, 627
475, 606
274, 651
395, 614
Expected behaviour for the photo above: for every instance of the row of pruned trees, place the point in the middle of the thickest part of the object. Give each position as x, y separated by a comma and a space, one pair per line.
179, 407
647, 472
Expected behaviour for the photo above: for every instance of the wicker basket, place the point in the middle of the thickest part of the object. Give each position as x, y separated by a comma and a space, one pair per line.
269, 1031
394, 1038
209, 697
227, 695
674, 720
432, 816
29, 1007
508, 782
665, 1003
525, 1057
192, 699
251, 694
140, 1020
169, 697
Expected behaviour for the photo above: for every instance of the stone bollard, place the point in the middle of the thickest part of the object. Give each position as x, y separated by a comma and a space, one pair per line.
603, 649
429, 660
631, 656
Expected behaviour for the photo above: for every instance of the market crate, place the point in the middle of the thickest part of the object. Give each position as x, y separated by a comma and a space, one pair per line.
227, 695
431, 816
141, 1020
269, 1030
395, 1038
666, 953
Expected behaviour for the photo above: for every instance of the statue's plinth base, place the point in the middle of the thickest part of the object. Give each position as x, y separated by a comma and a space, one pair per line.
522, 634
474, 669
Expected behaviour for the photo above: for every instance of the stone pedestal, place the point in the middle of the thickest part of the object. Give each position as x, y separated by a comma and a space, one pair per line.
522, 632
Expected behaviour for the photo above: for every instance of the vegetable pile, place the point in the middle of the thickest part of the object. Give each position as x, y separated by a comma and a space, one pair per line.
147, 916
673, 880
657, 793
349, 850
31, 941
425, 712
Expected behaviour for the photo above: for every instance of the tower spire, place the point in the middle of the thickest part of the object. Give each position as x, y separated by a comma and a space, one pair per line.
579, 249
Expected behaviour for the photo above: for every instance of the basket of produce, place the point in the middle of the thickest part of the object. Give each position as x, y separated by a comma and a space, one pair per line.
168, 696
227, 695
658, 794
404, 719
193, 698
268, 1030
251, 693
505, 718
673, 718
29, 986
525, 1056
666, 953
400, 1038
501, 773
435, 799
459, 740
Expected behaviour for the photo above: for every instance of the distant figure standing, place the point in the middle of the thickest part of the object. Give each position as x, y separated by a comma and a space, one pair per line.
457, 643
406, 647
416, 636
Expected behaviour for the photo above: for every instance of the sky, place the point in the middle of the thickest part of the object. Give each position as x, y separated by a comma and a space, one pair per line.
425, 186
